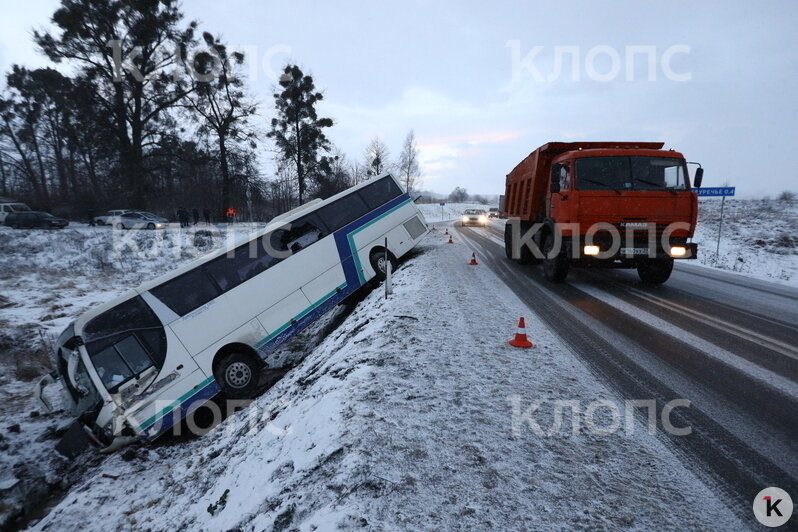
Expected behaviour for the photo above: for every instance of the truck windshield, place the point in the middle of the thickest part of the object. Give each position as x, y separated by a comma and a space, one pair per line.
631, 173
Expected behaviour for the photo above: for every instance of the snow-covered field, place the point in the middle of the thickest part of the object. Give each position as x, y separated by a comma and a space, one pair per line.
759, 238
401, 418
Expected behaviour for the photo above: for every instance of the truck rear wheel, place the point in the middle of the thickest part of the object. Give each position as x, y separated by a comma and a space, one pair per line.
555, 269
655, 271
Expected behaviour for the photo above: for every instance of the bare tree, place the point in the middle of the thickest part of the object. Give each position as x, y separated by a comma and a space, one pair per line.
458, 195
376, 158
408, 162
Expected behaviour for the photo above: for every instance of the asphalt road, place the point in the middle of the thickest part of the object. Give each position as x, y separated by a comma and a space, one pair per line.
722, 341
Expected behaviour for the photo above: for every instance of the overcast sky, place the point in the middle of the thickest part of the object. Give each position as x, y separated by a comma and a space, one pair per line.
447, 70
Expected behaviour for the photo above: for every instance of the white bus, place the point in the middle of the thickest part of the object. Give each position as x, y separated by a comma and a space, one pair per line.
137, 365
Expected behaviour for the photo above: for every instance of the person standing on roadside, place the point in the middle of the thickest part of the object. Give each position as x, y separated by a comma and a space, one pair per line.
206, 213
195, 215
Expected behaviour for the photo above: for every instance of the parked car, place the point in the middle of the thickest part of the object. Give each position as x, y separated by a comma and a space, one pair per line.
493, 212
34, 220
475, 217
155, 217
110, 217
8, 208
137, 220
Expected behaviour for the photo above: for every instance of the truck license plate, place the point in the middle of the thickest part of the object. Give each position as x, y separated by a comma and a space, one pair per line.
634, 251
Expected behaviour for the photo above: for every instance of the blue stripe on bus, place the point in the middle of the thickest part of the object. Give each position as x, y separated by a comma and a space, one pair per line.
175, 412
353, 272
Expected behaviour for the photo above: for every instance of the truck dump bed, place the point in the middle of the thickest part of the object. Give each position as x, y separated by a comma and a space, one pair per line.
527, 184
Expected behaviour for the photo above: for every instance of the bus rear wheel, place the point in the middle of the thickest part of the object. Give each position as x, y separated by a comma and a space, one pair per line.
379, 262
237, 374
655, 271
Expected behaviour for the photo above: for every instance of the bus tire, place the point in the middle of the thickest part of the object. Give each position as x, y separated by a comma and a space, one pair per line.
377, 260
655, 271
237, 375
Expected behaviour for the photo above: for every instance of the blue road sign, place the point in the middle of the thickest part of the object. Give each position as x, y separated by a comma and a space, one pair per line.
441, 204
715, 191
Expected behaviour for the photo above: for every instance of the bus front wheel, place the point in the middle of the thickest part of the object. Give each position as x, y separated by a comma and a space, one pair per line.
237, 374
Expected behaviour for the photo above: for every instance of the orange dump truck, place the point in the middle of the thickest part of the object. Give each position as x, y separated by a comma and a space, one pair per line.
601, 204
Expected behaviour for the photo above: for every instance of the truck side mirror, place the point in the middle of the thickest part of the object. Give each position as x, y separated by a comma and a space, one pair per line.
699, 176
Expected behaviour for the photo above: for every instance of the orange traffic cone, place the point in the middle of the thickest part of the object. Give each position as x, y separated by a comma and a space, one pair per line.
473, 261
520, 339
450, 240
433, 227
446, 231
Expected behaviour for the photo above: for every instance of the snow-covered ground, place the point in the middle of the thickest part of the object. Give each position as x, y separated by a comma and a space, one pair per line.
402, 418
759, 238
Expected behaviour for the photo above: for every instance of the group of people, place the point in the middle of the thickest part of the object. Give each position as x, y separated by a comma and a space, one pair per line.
182, 216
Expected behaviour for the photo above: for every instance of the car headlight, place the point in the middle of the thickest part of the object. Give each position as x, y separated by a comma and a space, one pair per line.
591, 250
483, 219
465, 219
678, 251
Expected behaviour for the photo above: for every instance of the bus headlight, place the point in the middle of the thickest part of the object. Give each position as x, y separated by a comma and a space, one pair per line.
591, 250
678, 251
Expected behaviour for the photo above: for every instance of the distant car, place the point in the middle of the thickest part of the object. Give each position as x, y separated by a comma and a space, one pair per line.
34, 220
8, 208
475, 217
493, 212
137, 220
110, 217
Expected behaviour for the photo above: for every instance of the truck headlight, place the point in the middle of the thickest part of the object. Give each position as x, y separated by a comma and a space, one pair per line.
591, 250
678, 251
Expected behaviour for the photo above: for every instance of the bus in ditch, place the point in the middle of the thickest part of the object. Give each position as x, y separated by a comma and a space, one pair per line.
135, 366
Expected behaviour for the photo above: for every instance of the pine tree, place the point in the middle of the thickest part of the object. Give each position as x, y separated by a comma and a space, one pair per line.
297, 130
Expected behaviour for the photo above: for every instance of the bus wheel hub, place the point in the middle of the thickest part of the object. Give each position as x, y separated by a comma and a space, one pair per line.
238, 374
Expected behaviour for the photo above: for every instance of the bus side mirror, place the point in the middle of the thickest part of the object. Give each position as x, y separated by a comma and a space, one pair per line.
699, 176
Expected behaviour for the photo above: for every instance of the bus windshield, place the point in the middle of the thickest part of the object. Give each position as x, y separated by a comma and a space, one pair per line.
631, 173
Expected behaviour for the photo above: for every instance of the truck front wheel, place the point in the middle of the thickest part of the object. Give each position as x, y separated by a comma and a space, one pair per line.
556, 268
655, 271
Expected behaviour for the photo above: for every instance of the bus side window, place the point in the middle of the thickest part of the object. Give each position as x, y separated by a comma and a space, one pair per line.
187, 292
343, 211
380, 192
302, 233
